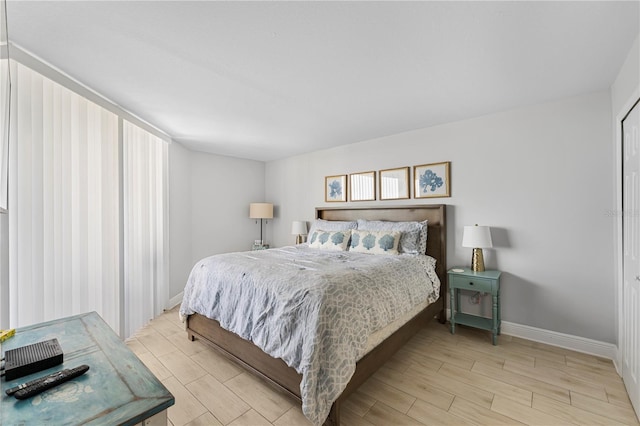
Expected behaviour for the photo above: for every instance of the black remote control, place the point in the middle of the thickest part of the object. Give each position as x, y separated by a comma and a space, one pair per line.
15, 389
34, 387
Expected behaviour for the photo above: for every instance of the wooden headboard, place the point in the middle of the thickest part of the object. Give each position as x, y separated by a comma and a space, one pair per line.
435, 214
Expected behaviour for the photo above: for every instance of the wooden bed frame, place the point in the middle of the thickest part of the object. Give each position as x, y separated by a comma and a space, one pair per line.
285, 378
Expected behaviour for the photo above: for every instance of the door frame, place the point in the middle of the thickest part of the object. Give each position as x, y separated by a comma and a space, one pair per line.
617, 223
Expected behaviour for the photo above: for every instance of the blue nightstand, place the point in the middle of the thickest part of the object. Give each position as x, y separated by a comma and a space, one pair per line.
483, 282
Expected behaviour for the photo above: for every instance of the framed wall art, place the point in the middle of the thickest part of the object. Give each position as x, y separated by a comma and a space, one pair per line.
335, 188
432, 180
394, 184
362, 186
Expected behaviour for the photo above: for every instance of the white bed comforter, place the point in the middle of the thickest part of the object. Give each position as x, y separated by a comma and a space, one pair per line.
313, 308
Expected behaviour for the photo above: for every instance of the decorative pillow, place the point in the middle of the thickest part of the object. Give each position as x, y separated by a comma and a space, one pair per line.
330, 240
375, 242
411, 240
423, 237
332, 225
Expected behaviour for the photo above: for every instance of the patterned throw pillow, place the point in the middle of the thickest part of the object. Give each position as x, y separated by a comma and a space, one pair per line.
330, 240
414, 234
375, 242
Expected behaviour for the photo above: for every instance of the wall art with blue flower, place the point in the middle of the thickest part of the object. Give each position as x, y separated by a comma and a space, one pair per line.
335, 188
432, 180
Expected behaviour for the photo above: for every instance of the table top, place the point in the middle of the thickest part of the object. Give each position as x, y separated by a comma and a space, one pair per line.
468, 272
117, 389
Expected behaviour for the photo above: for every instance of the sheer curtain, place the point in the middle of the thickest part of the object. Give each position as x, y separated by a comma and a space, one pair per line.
86, 214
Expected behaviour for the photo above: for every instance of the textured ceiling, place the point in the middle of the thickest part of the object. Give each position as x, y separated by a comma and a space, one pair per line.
267, 80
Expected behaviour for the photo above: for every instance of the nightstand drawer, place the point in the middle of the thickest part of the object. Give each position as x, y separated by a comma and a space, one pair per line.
470, 283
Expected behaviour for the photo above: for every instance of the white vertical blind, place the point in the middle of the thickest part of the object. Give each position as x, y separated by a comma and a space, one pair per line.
72, 248
146, 288
64, 198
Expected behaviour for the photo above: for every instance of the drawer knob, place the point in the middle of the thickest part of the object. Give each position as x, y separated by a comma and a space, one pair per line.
470, 283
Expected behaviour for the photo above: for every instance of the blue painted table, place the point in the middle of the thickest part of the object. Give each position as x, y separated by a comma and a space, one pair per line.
117, 389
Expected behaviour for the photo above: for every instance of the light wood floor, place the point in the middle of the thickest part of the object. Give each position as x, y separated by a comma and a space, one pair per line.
437, 378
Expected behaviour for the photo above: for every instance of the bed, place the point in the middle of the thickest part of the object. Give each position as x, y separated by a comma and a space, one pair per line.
287, 379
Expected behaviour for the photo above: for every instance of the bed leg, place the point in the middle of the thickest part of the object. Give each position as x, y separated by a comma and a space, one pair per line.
442, 317
334, 415
191, 337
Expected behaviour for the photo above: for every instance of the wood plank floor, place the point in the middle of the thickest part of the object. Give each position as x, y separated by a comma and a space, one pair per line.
437, 378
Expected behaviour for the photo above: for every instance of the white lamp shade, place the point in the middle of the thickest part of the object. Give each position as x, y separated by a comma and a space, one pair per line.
299, 228
261, 211
477, 237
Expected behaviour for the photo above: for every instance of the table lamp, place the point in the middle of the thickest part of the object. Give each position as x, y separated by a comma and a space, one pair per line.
299, 228
477, 237
261, 211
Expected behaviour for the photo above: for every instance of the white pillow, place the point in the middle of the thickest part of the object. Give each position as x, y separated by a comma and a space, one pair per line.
332, 225
375, 242
330, 240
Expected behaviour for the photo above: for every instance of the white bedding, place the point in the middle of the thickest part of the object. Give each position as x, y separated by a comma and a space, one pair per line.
314, 309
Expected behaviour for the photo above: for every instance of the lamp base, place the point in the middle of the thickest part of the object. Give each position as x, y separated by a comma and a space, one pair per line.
477, 260
298, 239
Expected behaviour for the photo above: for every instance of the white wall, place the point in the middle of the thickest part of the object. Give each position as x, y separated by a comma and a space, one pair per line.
179, 216
221, 190
540, 176
209, 197
628, 79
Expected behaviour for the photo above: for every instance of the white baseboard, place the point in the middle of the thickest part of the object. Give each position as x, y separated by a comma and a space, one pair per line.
561, 340
175, 300
567, 341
